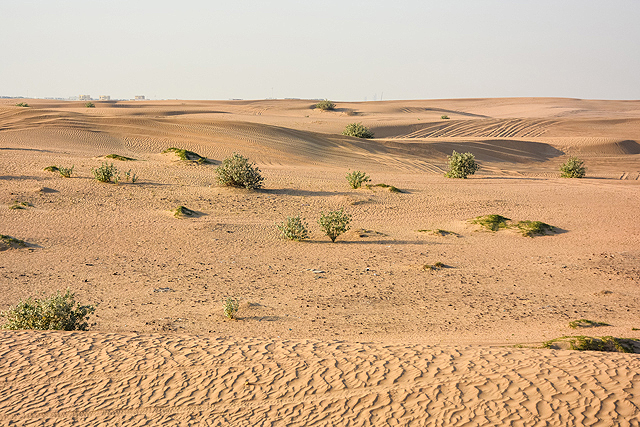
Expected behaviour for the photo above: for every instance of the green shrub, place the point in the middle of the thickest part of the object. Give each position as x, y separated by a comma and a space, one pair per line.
334, 223
11, 242
357, 130
461, 165
58, 312
444, 117
90, 105
533, 228
391, 188
131, 176
65, 172
20, 205
230, 307
22, 104
584, 343
236, 171
182, 211
573, 168
187, 155
293, 228
491, 222
326, 105
105, 173
357, 178
119, 157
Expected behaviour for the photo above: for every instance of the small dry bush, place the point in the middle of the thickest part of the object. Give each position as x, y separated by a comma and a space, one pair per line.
237, 171
358, 130
58, 312
326, 105
65, 172
334, 223
105, 173
357, 178
293, 228
119, 157
230, 307
573, 168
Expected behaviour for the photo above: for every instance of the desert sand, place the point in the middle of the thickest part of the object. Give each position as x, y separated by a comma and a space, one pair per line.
354, 332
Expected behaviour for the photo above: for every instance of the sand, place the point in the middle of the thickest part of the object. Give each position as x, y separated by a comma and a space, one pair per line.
348, 333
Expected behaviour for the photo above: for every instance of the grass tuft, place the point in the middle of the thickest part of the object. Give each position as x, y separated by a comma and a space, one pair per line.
52, 169
119, 157
432, 267
230, 307
12, 242
182, 211
584, 343
585, 323
491, 222
187, 155
439, 232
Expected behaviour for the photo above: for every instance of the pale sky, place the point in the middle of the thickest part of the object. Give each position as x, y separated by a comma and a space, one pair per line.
342, 50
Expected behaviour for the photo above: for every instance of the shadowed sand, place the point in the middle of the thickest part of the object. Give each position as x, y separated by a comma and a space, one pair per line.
351, 333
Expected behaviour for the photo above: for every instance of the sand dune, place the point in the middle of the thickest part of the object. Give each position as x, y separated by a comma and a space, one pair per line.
357, 332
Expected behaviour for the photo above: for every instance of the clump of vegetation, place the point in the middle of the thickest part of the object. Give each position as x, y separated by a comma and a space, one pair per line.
432, 267
491, 222
131, 176
119, 157
90, 105
584, 343
65, 172
445, 117
11, 242
58, 312
187, 155
237, 171
293, 228
22, 104
334, 223
358, 130
533, 228
573, 168
182, 211
52, 169
105, 173
326, 105
439, 232
461, 165
585, 323
357, 178
390, 187
20, 205
230, 307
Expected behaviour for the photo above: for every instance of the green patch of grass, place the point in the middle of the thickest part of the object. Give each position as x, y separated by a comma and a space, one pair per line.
20, 205
439, 232
432, 267
187, 155
65, 172
390, 187
182, 211
584, 343
119, 157
585, 323
22, 104
52, 169
491, 222
534, 228
12, 242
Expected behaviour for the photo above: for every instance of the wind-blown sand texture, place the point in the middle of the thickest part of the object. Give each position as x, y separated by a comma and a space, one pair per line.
351, 333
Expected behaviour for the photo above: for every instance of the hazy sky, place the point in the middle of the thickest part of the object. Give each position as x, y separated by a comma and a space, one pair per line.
341, 50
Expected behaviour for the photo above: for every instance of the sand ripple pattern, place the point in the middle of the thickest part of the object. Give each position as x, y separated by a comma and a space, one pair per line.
60, 379
483, 128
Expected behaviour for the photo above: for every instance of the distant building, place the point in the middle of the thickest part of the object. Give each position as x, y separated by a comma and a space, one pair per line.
84, 97
139, 98
105, 98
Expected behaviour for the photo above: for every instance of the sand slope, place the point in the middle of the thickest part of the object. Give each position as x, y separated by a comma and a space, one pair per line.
125, 379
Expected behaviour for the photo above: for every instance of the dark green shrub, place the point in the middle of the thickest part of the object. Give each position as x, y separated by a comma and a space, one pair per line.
105, 173
90, 105
444, 117
58, 312
65, 172
326, 105
461, 165
22, 104
357, 130
293, 228
357, 178
236, 171
573, 168
334, 223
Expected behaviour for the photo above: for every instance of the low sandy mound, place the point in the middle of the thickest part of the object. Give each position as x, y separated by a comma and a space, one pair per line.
55, 378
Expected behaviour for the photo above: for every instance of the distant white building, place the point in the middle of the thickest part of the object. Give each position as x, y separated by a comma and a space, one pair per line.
139, 98
105, 98
84, 97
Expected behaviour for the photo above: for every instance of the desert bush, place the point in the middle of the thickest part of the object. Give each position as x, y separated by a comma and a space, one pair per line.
444, 117
461, 165
326, 105
182, 211
334, 223
573, 168
391, 188
119, 157
20, 205
358, 130
357, 178
491, 222
237, 171
58, 312
22, 104
131, 176
584, 343
105, 173
90, 105
533, 228
230, 307
65, 172
293, 228
11, 242
187, 155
